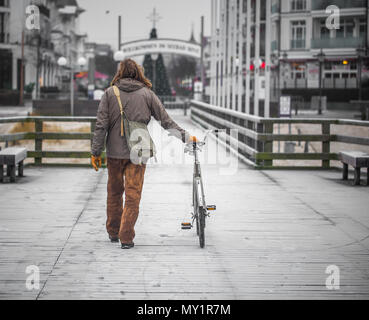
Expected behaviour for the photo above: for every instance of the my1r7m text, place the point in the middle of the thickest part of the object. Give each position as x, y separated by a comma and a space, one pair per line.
206, 309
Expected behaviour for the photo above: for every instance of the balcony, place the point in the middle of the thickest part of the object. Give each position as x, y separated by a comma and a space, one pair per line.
44, 11
4, 37
275, 8
342, 4
4, 3
326, 84
274, 45
333, 43
298, 44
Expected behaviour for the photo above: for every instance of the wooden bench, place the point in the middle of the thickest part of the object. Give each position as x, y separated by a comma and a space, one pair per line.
12, 157
357, 160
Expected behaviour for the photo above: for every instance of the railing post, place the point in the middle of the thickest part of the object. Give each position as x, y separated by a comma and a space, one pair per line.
185, 105
93, 126
326, 145
268, 145
38, 141
259, 146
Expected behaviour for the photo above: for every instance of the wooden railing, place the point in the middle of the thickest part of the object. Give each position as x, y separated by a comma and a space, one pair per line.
255, 136
39, 136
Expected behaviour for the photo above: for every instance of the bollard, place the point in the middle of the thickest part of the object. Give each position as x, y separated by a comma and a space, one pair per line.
299, 133
306, 148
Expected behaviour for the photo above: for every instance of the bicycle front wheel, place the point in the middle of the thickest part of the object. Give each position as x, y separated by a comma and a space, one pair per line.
201, 227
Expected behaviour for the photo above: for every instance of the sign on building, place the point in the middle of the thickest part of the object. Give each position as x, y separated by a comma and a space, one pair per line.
143, 47
285, 106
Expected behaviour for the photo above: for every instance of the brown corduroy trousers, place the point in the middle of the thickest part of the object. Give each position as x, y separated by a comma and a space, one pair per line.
123, 177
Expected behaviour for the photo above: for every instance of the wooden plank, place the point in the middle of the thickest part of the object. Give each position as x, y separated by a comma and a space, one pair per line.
17, 136
351, 140
196, 104
296, 156
300, 121
63, 136
326, 147
268, 145
353, 123
46, 119
38, 141
59, 154
294, 137
46, 136
223, 124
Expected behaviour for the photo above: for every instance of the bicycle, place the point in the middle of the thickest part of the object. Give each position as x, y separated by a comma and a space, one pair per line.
200, 209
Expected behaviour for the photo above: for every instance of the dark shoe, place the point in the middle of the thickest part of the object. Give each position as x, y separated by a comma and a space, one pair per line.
127, 245
114, 239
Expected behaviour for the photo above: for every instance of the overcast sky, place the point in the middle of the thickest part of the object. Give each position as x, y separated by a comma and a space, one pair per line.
100, 21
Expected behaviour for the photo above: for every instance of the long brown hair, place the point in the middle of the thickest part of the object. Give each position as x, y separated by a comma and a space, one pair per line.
128, 68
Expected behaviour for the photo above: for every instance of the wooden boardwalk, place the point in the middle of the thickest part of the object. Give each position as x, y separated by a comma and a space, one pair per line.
273, 236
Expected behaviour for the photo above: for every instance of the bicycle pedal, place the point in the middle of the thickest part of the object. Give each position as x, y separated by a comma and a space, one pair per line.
186, 226
211, 208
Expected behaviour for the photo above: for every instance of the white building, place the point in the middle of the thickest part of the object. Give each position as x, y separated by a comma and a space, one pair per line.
260, 48
58, 36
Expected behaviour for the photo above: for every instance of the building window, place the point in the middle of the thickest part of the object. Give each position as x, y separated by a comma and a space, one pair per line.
2, 28
337, 70
346, 30
298, 5
6, 64
324, 31
362, 27
4, 3
298, 34
298, 70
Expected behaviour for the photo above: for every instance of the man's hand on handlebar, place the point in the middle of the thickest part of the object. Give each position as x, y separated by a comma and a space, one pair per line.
193, 139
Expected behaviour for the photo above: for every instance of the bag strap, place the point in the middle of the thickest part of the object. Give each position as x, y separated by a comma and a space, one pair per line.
117, 94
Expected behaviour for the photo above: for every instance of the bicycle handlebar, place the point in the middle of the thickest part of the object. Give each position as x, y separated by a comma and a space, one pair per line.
191, 146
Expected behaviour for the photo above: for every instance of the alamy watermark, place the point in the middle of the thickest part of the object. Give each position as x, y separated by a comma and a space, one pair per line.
33, 278
220, 149
32, 17
332, 282
333, 20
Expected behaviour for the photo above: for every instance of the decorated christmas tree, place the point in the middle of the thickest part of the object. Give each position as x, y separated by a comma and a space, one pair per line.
162, 87
160, 79
148, 67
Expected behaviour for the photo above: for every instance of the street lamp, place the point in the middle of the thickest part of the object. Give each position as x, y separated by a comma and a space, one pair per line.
62, 62
237, 61
154, 57
82, 62
321, 59
275, 61
119, 56
285, 61
360, 54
